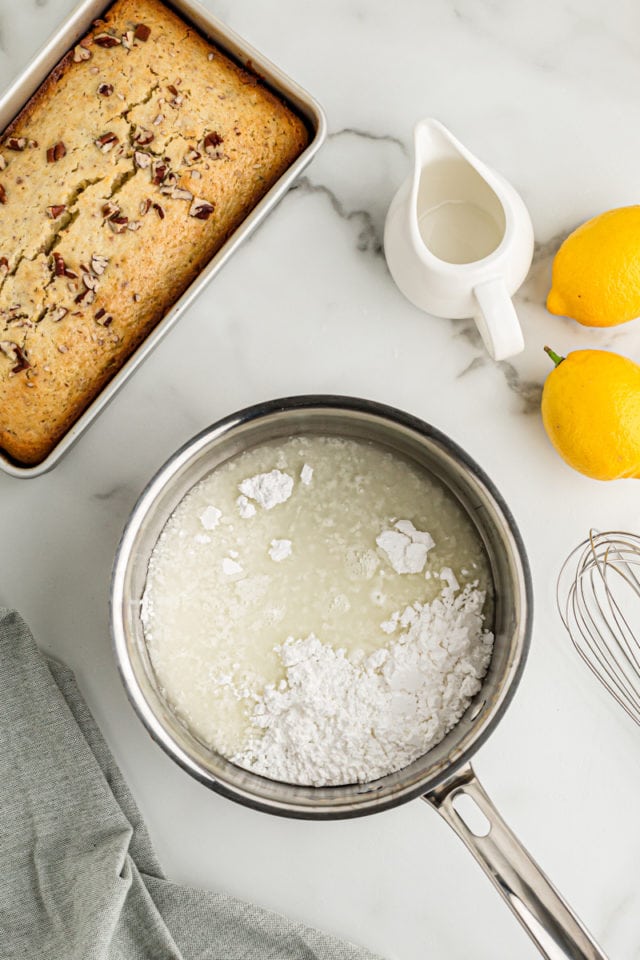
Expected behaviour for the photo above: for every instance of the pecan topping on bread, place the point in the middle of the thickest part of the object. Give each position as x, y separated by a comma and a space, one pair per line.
57, 314
59, 266
142, 32
106, 142
142, 137
56, 210
211, 144
119, 223
3, 194
16, 354
201, 209
99, 264
110, 210
105, 89
81, 53
106, 40
57, 152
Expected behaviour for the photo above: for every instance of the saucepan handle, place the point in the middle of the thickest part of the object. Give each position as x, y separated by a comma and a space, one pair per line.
547, 918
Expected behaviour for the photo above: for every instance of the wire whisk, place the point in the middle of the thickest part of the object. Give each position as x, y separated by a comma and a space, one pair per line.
598, 595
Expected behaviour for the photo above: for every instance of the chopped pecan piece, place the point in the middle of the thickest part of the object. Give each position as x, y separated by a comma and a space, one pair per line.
103, 320
169, 184
141, 136
211, 142
12, 314
90, 282
158, 120
4, 265
57, 314
86, 296
201, 209
57, 152
59, 266
191, 156
134, 225
178, 193
158, 209
178, 99
99, 264
141, 160
119, 224
106, 142
81, 53
105, 89
159, 171
3, 194
106, 40
142, 32
16, 143
56, 210
16, 354
127, 39
110, 210
145, 206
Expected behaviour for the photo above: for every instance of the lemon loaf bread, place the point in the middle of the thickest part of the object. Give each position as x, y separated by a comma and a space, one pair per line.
124, 174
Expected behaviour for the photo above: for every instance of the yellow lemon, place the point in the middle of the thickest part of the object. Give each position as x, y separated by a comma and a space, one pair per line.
591, 412
596, 271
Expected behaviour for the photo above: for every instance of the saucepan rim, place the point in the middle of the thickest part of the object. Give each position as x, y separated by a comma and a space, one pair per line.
242, 786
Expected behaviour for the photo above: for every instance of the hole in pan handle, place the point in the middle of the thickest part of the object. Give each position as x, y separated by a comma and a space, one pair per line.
552, 925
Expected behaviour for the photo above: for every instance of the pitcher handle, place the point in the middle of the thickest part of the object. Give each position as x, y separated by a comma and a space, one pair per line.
547, 918
497, 319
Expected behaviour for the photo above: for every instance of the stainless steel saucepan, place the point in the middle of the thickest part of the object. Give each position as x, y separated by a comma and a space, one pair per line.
443, 775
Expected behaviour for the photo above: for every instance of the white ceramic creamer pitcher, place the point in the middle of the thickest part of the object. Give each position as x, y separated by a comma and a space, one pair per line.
459, 240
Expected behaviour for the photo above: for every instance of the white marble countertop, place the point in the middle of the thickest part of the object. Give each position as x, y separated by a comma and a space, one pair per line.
546, 93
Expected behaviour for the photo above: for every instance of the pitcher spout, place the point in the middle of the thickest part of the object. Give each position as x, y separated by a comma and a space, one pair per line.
432, 141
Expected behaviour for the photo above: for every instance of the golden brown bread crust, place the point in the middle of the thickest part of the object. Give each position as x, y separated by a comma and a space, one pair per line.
81, 286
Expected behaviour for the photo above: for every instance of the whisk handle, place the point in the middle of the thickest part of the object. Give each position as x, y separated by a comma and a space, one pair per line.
545, 915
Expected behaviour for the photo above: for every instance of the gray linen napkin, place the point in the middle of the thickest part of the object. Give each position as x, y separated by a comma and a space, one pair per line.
79, 879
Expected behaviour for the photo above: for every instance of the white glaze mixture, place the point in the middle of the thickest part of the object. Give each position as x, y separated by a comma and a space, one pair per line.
313, 610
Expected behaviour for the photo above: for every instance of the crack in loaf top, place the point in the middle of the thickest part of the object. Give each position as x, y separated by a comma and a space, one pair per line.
125, 173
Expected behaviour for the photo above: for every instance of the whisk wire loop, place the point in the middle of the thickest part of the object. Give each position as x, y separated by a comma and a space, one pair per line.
598, 596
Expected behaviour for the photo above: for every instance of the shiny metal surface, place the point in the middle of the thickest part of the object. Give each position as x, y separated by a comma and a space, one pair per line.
17, 95
598, 594
443, 773
552, 925
350, 418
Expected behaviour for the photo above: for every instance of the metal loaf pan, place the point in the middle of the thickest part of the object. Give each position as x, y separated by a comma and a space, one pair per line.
23, 88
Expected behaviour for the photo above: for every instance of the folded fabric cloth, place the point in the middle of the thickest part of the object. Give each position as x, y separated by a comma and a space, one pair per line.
79, 877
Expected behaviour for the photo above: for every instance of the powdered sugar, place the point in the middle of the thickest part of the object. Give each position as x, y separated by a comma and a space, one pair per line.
245, 508
405, 547
280, 550
268, 489
343, 719
210, 517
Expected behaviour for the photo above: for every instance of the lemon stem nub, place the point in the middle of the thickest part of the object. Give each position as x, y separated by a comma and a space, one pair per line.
557, 359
